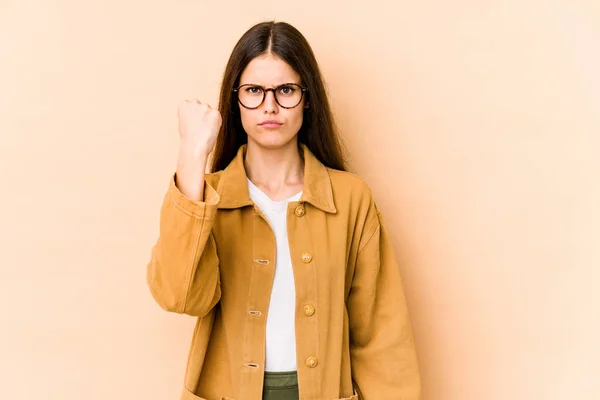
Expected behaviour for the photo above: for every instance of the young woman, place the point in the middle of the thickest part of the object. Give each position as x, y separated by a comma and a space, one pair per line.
280, 253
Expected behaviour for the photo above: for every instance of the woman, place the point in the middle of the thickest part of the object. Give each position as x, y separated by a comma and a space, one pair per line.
280, 253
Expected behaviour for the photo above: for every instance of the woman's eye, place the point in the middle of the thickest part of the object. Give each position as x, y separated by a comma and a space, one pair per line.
254, 90
286, 90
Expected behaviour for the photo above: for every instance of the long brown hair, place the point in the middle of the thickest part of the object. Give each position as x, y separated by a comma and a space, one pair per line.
318, 131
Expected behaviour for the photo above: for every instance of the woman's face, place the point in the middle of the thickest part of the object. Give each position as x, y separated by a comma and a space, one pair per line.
270, 72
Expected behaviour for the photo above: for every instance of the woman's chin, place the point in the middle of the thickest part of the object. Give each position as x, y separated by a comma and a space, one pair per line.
271, 140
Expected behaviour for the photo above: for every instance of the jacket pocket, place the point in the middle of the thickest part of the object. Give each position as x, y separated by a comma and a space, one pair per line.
187, 395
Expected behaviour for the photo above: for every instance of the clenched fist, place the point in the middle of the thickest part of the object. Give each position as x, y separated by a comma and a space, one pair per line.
199, 125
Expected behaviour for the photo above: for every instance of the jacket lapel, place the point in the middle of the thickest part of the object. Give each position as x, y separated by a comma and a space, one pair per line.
317, 190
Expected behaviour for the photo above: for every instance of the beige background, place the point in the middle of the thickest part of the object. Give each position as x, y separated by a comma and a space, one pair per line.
476, 124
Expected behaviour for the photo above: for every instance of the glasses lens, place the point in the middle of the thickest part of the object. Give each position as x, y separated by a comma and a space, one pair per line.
250, 96
289, 95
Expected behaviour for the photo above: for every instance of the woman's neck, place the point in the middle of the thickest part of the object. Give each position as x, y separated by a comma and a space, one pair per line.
277, 172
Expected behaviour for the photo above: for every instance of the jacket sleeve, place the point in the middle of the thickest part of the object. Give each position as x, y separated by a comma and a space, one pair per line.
183, 273
382, 350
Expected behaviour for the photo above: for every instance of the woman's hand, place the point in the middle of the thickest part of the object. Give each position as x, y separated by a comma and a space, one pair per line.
199, 125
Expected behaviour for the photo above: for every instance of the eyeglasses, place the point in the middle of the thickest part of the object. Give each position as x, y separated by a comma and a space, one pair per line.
287, 95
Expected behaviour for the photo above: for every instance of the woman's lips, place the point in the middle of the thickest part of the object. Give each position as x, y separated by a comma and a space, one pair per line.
270, 125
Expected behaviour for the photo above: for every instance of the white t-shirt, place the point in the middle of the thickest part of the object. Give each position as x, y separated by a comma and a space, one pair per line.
281, 334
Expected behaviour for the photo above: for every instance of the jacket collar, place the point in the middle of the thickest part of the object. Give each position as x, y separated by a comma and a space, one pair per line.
317, 191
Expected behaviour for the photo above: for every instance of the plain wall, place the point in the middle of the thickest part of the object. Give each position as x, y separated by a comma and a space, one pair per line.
475, 123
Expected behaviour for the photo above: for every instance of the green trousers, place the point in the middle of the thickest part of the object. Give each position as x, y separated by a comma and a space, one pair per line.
280, 386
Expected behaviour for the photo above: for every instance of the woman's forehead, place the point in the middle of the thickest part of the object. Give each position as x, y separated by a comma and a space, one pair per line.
269, 71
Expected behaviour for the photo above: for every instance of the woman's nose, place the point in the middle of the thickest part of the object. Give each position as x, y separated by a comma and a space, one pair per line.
270, 103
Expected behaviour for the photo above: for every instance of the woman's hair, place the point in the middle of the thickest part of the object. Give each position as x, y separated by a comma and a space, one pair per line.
318, 131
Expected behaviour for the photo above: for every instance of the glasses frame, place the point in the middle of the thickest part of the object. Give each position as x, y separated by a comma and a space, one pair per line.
265, 90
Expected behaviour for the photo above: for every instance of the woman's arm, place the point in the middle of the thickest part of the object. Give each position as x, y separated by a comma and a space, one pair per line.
183, 273
382, 350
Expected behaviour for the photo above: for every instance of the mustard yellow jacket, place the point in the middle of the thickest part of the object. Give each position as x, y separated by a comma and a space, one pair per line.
215, 259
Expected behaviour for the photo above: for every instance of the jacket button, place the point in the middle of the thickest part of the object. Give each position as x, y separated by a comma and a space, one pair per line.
299, 211
306, 257
312, 362
309, 310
